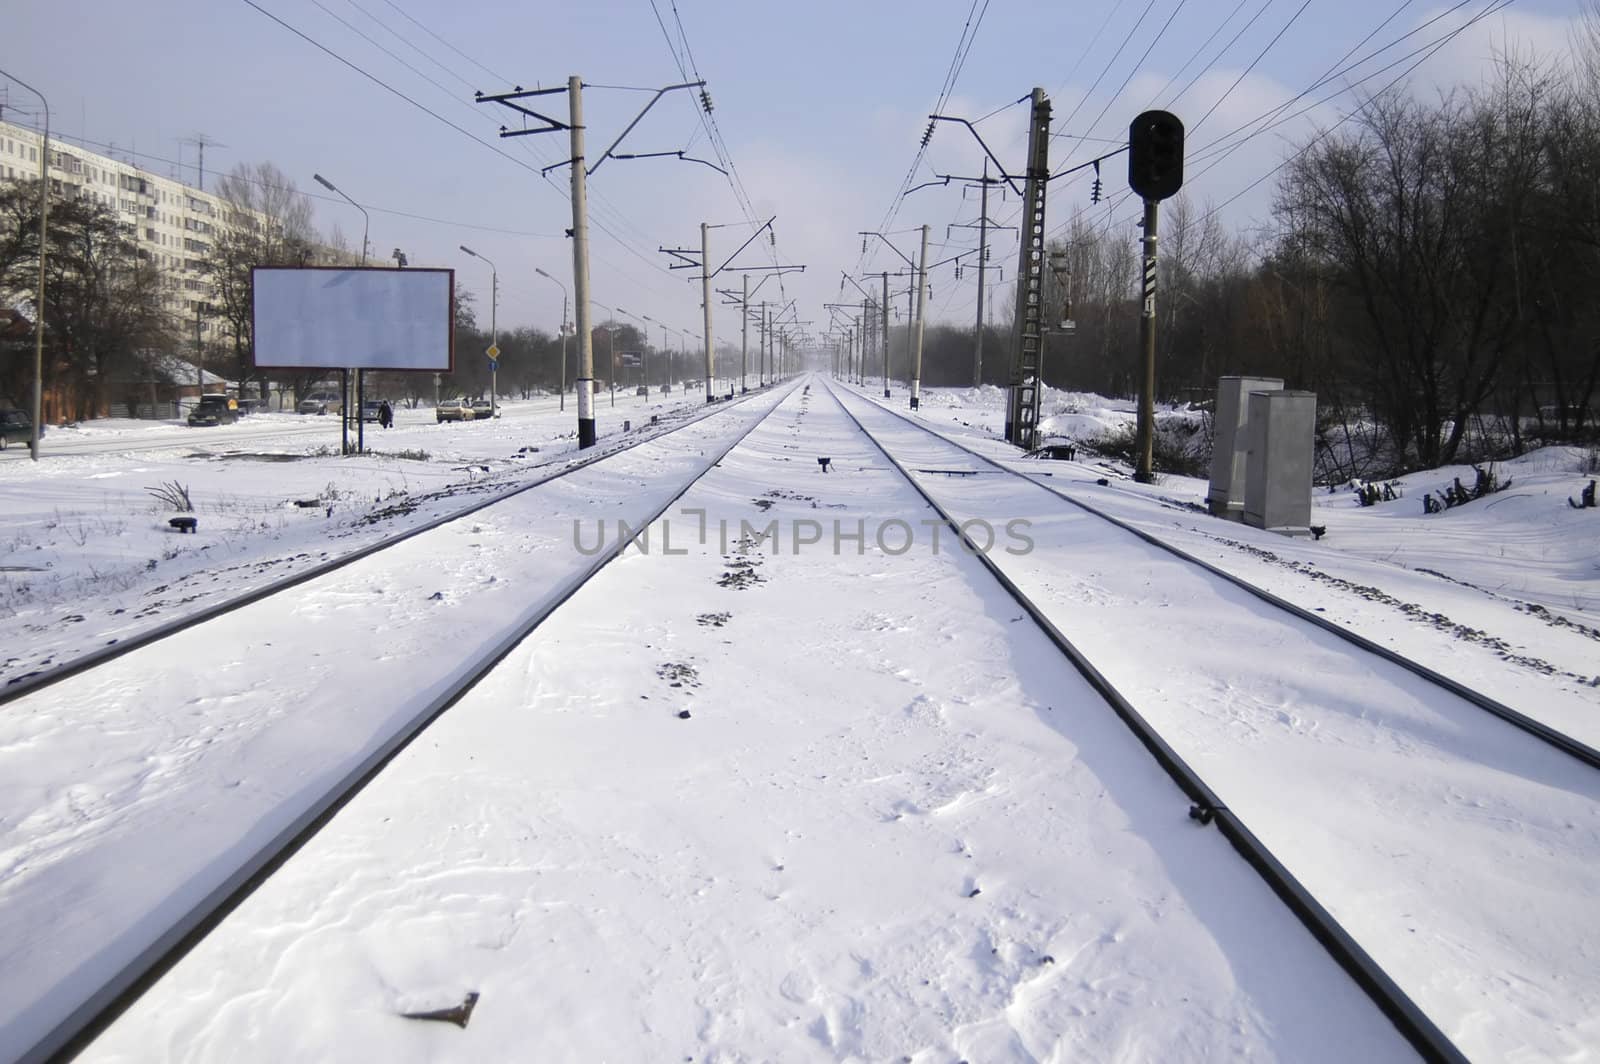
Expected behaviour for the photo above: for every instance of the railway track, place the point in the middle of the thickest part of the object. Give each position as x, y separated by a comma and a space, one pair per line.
1323, 829
1315, 760
135, 638
865, 835
1539, 729
161, 782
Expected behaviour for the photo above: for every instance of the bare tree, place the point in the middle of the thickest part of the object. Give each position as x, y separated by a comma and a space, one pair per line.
268, 223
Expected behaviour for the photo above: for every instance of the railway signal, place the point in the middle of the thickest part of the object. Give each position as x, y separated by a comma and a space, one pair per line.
1155, 172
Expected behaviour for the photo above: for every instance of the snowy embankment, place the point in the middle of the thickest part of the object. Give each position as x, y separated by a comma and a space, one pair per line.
87, 555
790, 871
731, 804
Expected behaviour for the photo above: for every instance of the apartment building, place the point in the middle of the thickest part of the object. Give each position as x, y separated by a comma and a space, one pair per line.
173, 223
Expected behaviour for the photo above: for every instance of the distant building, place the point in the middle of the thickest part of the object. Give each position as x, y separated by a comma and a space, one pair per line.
170, 221
173, 224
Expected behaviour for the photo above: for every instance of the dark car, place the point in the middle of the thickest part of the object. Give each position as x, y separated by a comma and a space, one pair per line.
16, 427
641, 390
214, 410
482, 408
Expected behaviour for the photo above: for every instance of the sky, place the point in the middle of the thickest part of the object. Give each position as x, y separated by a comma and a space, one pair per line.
821, 107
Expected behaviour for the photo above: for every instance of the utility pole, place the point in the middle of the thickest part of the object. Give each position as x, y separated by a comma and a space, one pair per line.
38, 310
687, 260
558, 284
199, 352
983, 253
580, 266
705, 295
922, 311
580, 214
744, 337
982, 225
886, 335
494, 331
1027, 361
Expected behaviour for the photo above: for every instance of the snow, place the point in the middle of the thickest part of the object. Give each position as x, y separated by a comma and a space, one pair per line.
894, 824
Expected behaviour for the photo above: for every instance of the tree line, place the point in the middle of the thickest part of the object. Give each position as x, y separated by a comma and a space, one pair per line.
1428, 271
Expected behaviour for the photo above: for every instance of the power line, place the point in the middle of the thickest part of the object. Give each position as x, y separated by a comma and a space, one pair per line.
1251, 21
1426, 52
963, 46
1246, 72
1109, 64
1197, 53
625, 245
1112, 98
447, 44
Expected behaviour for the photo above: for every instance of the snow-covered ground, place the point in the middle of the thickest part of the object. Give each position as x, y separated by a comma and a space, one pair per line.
87, 554
884, 831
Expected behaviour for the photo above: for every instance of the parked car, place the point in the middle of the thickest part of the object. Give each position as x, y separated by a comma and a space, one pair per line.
453, 410
482, 408
642, 390
665, 388
16, 427
369, 410
214, 410
319, 403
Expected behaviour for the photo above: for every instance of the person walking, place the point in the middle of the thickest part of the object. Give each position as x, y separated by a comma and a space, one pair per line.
385, 414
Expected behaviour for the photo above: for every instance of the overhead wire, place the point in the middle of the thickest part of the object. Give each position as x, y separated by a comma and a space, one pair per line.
1112, 98
1246, 72
969, 33
1421, 54
596, 223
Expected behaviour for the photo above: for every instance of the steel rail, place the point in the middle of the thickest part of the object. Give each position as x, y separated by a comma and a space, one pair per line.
1538, 729
75, 1032
28, 683
1412, 1023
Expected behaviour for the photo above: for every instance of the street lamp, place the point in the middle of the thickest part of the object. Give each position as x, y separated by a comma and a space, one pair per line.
344, 375
563, 287
644, 354
366, 224
494, 332
38, 310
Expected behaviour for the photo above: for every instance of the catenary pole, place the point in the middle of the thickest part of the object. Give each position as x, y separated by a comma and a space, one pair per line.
580, 268
983, 253
886, 334
705, 296
744, 337
922, 310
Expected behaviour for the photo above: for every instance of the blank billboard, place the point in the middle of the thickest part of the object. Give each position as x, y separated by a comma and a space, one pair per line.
353, 318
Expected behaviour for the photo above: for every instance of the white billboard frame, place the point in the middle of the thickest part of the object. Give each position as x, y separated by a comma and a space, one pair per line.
361, 341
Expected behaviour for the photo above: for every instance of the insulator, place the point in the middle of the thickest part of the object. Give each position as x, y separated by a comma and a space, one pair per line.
705, 100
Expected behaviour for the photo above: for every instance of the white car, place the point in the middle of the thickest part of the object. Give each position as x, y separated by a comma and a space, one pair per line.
320, 403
